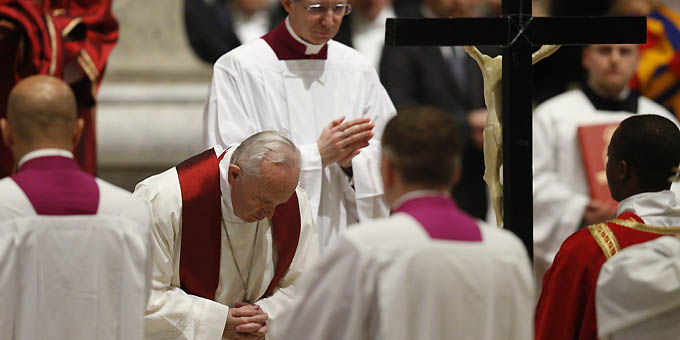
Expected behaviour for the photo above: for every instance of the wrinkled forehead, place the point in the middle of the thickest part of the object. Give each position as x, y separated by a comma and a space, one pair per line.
276, 191
276, 178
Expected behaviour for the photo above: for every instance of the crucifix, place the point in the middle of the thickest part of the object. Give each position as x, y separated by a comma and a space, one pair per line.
518, 32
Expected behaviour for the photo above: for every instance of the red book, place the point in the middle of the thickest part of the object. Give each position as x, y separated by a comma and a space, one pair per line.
594, 140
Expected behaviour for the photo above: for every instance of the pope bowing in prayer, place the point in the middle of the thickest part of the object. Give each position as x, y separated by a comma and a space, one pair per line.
232, 234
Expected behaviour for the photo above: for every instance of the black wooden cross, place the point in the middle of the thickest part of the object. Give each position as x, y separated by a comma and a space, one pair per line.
518, 32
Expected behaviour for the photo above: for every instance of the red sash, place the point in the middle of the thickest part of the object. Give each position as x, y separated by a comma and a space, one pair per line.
199, 263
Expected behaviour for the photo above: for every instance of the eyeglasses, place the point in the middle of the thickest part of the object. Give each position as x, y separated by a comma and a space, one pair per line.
321, 9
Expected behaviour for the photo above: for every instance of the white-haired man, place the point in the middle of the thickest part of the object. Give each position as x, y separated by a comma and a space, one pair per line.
323, 95
232, 235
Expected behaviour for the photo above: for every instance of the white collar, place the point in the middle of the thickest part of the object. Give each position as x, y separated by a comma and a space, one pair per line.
417, 193
655, 208
225, 188
44, 153
310, 48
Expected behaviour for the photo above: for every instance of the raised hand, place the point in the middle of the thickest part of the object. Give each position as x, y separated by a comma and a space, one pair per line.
339, 141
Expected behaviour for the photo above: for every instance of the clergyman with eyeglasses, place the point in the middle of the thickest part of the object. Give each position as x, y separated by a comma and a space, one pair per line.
325, 96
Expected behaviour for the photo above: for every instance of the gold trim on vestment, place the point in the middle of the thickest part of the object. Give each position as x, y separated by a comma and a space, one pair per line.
71, 25
53, 40
670, 230
88, 65
90, 69
605, 238
58, 12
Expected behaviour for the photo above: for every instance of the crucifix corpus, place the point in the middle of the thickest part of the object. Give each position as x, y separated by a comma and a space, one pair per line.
507, 85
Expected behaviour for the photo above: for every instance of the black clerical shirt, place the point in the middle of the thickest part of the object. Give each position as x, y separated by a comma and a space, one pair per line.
629, 104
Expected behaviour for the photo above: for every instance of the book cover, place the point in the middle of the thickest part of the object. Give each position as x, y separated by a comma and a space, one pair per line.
594, 140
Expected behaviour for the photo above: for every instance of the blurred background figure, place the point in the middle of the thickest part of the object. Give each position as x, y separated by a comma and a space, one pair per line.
70, 40
215, 27
448, 79
365, 28
658, 75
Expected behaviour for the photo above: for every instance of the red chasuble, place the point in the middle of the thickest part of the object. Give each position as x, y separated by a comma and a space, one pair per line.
566, 308
68, 39
199, 263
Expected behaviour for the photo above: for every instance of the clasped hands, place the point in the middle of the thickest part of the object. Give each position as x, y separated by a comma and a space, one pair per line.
340, 142
246, 322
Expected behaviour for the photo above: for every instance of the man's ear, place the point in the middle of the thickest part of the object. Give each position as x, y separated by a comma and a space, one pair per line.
233, 173
286, 5
585, 57
6, 133
77, 131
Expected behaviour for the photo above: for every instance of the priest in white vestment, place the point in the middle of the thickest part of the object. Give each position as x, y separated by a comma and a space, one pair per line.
638, 292
323, 95
429, 271
561, 198
251, 182
75, 251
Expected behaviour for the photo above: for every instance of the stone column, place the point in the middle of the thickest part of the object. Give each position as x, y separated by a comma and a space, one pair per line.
151, 100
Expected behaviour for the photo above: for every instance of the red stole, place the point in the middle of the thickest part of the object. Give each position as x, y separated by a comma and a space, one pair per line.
199, 263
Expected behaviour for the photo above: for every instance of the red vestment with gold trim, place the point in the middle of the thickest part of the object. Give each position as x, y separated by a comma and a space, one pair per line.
566, 308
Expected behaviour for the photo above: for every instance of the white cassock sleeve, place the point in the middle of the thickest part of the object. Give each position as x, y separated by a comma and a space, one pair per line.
336, 299
638, 292
171, 313
306, 255
558, 210
366, 166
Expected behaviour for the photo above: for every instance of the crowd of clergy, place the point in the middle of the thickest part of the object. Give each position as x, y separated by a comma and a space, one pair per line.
340, 193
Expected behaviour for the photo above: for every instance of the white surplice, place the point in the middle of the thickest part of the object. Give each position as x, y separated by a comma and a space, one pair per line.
560, 189
174, 314
252, 90
77, 277
638, 292
388, 280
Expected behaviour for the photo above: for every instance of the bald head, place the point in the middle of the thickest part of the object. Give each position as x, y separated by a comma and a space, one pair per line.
41, 113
